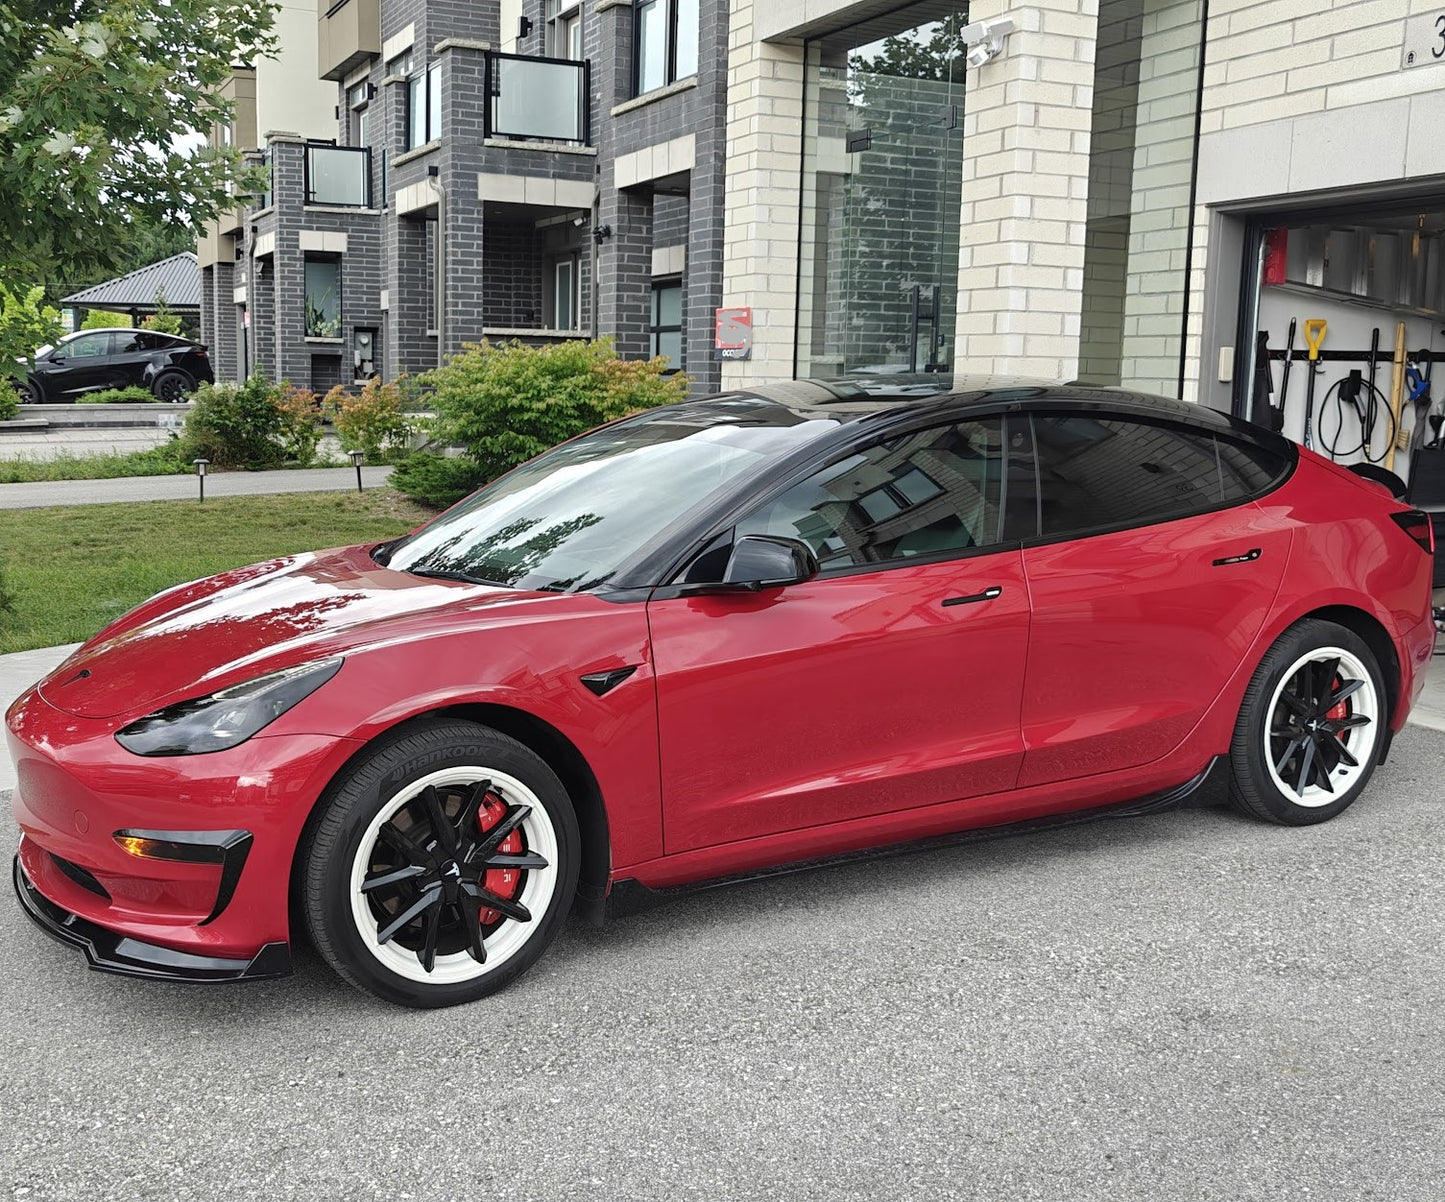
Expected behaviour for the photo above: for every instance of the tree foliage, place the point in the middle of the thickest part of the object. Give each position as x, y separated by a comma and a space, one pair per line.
26, 323
101, 104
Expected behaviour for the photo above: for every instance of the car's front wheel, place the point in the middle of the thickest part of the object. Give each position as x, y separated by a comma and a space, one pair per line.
1311, 728
172, 386
442, 865
30, 393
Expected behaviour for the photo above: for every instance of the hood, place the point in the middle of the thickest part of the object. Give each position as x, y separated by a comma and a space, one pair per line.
204, 636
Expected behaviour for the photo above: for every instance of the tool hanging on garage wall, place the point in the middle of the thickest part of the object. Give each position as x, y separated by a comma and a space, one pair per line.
1353, 416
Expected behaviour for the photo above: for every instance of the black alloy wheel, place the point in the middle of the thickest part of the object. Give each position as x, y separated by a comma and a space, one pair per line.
441, 865
1311, 728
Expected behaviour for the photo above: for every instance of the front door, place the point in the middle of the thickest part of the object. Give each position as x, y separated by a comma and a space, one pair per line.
891, 681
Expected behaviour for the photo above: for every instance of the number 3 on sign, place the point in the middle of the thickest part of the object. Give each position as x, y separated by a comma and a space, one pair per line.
1424, 39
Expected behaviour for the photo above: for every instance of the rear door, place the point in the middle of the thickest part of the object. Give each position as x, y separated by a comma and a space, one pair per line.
1152, 576
131, 353
891, 681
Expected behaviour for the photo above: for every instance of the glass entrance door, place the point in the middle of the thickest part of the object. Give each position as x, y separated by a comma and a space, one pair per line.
883, 171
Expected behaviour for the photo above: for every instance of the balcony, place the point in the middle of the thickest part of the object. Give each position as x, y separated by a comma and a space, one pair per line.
348, 32
541, 99
338, 175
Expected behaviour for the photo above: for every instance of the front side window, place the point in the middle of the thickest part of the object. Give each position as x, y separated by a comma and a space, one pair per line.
571, 518
86, 346
665, 40
934, 492
1097, 473
666, 328
424, 107
323, 297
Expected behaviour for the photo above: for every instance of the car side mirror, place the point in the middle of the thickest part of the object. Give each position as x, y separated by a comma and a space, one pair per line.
760, 561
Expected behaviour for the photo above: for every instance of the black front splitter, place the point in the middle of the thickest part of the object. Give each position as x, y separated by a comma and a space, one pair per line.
108, 951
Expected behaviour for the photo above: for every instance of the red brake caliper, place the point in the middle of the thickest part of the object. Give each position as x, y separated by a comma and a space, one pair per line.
502, 882
1338, 711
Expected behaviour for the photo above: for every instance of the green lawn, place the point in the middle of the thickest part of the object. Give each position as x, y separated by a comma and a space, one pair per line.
71, 569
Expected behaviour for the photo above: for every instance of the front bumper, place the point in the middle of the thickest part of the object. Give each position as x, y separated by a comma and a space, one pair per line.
108, 951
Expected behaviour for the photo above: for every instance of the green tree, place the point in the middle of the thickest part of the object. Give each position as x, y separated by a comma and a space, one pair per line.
101, 104
164, 320
26, 323
104, 319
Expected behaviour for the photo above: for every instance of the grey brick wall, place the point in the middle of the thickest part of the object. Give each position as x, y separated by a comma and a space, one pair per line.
499, 257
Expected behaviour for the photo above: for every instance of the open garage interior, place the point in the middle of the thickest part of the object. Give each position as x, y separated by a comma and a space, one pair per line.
1345, 318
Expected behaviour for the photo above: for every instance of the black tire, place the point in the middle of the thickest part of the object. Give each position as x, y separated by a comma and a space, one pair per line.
1311, 727
30, 393
173, 385
365, 871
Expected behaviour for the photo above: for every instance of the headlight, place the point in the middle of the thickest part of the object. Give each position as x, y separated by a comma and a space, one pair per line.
225, 718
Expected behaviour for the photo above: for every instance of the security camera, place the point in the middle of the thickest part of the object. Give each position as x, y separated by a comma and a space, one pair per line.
985, 39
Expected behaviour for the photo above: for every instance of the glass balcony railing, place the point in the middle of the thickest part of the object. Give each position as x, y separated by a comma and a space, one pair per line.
338, 175
542, 98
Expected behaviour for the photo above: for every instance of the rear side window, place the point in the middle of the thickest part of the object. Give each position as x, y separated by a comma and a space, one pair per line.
933, 492
1247, 471
1096, 473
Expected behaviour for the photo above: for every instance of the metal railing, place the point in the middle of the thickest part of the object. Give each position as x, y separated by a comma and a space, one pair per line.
542, 98
338, 175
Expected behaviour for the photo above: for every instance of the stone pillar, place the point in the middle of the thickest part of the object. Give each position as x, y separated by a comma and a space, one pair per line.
1025, 193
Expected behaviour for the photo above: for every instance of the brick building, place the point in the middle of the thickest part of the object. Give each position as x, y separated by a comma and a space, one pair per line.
498, 170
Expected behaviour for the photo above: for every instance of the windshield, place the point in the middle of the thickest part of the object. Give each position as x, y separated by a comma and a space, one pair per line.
570, 518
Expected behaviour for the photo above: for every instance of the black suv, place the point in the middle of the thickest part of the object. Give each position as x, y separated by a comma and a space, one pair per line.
88, 360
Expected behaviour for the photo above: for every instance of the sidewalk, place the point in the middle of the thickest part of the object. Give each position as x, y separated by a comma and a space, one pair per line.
19, 671
184, 488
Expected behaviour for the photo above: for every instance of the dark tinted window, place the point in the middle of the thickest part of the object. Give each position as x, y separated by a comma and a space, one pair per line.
127, 343
932, 492
1247, 470
1097, 472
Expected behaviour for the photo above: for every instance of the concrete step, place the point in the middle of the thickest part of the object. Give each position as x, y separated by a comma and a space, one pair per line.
81, 416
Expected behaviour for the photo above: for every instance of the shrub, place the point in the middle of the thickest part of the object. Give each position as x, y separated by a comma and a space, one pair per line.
235, 425
300, 427
503, 403
371, 421
9, 399
436, 480
129, 395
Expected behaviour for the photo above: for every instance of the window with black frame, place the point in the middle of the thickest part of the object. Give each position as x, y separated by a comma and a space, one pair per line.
932, 492
665, 38
358, 99
323, 296
424, 107
665, 331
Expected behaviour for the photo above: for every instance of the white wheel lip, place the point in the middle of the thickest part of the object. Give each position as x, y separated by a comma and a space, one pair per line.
508, 939
1361, 741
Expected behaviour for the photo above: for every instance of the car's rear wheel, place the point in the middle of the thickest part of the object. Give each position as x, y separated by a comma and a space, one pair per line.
442, 866
173, 385
1311, 728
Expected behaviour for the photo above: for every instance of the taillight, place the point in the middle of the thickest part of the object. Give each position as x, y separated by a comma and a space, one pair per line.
1416, 523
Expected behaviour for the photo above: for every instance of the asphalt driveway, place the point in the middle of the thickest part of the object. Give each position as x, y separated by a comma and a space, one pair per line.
1182, 1006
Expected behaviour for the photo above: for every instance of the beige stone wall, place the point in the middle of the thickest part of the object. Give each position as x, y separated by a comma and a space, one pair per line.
1025, 190
760, 236
289, 96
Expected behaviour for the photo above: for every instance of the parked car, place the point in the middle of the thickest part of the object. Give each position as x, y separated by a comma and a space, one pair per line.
89, 360
707, 641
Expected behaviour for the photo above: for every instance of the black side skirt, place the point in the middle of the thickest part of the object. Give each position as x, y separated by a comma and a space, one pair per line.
630, 897
109, 952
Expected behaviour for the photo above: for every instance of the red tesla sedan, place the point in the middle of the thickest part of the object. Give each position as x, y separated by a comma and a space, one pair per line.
706, 641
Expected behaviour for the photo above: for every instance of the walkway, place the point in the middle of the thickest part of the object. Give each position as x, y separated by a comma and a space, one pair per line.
183, 488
